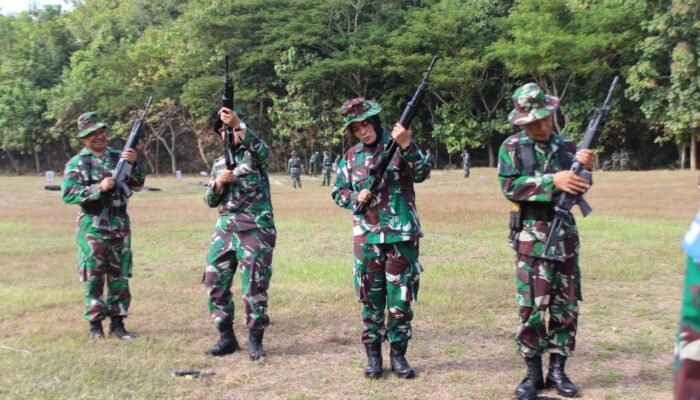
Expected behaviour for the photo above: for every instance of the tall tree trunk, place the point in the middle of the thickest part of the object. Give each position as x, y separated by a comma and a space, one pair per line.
681, 151
693, 152
37, 165
15, 163
492, 158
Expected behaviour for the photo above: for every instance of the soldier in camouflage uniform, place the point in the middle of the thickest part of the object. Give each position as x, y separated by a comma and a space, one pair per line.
466, 162
533, 169
103, 254
244, 236
430, 161
313, 164
327, 164
386, 268
687, 351
295, 167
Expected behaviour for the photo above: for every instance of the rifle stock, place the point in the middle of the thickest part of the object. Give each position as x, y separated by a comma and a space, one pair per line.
377, 170
122, 172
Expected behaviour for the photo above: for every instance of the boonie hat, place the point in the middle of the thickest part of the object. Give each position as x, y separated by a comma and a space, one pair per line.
89, 122
530, 104
358, 109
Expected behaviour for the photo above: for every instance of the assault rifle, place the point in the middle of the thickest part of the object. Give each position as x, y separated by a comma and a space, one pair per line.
122, 172
566, 201
377, 170
227, 101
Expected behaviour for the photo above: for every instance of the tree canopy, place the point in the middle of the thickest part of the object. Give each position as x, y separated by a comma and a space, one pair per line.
295, 62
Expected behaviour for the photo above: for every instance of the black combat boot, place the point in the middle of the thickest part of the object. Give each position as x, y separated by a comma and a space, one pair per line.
227, 342
527, 390
96, 331
255, 346
398, 362
116, 328
374, 360
557, 379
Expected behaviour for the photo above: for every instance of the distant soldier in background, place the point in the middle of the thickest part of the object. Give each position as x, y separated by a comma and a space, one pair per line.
615, 157
624, 159
466, 162
295, 167
313, 164
103, 254
430, 161
687, 350
327, 164
244, 236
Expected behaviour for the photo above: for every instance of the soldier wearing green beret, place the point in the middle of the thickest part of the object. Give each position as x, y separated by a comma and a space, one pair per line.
386, 269
533, 169
104, 254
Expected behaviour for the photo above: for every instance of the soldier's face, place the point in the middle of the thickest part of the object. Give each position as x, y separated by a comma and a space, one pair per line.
364, 131
540, 129
96, 141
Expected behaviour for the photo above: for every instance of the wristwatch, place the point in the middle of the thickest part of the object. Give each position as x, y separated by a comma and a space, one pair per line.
241, 126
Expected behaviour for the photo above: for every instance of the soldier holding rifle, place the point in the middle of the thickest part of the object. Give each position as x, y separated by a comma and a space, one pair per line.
104, 250
533, 170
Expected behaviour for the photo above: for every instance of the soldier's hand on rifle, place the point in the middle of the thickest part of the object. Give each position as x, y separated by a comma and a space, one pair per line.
401, 135
224, 177
106, 184
130, 156
569, 182
364, 196
586, 157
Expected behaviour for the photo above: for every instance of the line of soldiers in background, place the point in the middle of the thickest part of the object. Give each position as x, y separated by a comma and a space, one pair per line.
295, 166
619, 160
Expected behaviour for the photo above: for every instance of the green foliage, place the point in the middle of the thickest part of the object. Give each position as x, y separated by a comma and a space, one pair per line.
295, 62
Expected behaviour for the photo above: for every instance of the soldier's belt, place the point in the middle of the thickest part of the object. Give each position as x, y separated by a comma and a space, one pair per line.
96, 209
538, 212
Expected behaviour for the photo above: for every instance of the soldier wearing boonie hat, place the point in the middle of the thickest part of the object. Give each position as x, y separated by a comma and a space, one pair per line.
103, 254
386, 237
533, 169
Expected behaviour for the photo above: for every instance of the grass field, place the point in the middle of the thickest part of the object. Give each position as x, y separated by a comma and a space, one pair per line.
632, 268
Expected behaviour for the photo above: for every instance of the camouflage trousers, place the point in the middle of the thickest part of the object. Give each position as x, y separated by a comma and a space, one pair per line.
252, 251
543, 285
326, 176
386, 276
687, 349
104, 255
313, 169
466, 171
296, 176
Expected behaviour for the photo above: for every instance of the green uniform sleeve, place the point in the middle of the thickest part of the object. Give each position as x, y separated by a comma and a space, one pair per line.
211, 198
342, 193
518, 187
416, 161
72, 189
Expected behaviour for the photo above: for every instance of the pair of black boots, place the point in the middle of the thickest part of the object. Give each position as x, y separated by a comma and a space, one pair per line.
228, 344
556, 378
397, 353
116, 328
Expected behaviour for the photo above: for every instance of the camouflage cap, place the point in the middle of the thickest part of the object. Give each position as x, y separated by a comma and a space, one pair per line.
530, 104
88, 123
358, 109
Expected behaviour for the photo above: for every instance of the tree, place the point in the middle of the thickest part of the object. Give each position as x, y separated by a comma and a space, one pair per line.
666, 79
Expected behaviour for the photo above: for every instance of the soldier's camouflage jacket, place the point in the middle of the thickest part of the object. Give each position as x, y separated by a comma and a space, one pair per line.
248, 205
81, 185
539, 188
392, 216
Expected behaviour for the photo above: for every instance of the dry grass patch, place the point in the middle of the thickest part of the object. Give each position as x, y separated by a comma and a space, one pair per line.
465, 316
